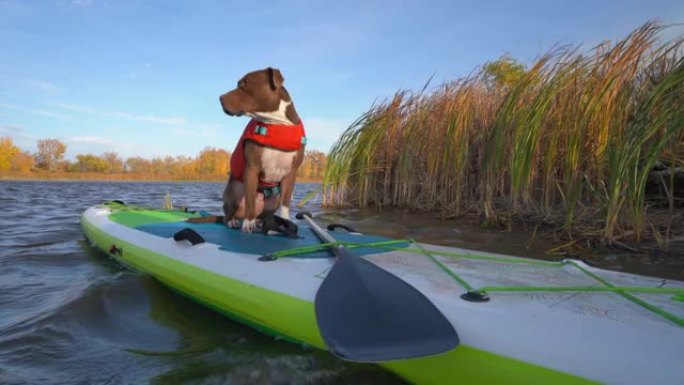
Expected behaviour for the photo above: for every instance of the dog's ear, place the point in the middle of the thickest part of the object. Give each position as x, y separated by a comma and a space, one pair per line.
275, 77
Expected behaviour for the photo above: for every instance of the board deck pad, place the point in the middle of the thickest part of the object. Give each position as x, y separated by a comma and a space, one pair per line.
166, 224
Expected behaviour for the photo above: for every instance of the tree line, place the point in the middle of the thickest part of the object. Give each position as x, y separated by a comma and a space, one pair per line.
209, 163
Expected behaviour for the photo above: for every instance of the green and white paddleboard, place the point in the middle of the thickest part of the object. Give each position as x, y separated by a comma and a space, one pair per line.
544, 323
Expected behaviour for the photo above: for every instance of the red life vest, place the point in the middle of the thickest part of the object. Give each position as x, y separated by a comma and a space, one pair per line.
279, 136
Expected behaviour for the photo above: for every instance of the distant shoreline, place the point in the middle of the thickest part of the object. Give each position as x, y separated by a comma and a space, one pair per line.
115, 177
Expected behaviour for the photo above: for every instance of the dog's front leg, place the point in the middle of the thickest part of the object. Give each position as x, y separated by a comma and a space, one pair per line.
251, 179
286, 188
232, 196
287, 185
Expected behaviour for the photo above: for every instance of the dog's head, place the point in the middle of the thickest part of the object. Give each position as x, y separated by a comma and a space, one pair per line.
260, 94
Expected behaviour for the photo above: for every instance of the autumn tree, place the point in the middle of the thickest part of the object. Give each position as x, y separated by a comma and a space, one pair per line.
185, 165
50, 152
213, 161
157, 166
90, 163
114, 163
313, 165
138, 165
180, 165
23, 161
8, 152
504, 72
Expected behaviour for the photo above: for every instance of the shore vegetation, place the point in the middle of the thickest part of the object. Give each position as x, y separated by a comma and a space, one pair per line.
586, 143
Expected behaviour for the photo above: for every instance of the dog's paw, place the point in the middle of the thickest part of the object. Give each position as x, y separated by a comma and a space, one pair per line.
233, 223
285, 212
249, 225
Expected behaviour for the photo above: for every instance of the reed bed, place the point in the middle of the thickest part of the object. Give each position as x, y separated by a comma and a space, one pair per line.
569, 143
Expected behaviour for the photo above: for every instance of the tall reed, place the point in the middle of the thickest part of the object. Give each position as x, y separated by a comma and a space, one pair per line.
570, 142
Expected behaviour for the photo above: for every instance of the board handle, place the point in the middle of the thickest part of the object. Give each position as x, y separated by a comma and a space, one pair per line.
334, 226
188, 234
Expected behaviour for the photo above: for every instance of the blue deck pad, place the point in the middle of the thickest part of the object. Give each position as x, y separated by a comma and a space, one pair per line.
234, 240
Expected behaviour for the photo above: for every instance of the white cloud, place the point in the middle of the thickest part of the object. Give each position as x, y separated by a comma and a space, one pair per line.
168, 120
82, 3
155, 119
41, 85
90, 140
140, 71
34, 111
322, 133
99, 145
21, 138
209, 131
10, 129
75, 107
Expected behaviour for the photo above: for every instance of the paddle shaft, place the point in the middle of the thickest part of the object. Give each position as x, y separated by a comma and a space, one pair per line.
338, 250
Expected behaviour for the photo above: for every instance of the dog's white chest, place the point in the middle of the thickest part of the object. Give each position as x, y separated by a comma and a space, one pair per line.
276, 164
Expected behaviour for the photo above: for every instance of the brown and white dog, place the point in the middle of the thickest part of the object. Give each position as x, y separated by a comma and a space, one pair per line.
265, 162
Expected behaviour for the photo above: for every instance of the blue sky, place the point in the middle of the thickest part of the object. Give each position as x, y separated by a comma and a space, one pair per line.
143, 77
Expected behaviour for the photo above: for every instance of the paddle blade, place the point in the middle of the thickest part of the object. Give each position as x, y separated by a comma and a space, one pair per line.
367, 314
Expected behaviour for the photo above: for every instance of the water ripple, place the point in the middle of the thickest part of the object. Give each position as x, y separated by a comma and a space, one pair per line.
71, 315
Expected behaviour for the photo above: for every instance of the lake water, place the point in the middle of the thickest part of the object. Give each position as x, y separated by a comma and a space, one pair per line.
71, 315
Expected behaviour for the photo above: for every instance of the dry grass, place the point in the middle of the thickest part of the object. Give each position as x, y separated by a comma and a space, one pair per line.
570, 143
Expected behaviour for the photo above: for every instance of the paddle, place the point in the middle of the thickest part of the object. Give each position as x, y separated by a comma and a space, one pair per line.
367, 314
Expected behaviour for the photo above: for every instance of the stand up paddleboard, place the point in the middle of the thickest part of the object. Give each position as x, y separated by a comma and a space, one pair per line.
479, 318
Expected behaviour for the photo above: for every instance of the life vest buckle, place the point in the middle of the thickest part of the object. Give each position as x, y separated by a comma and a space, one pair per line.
270, 191
261, 130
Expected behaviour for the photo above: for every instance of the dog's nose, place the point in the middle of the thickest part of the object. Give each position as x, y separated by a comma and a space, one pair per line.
223, 105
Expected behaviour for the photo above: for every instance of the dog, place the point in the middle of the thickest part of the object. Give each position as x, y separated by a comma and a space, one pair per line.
265, 161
